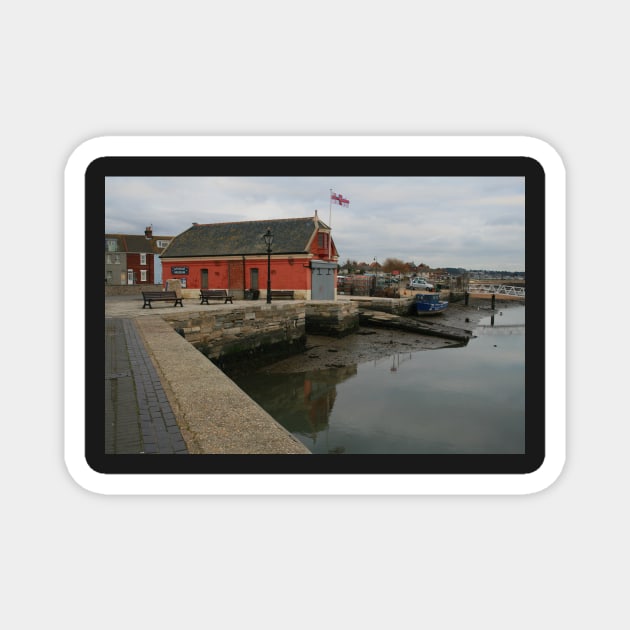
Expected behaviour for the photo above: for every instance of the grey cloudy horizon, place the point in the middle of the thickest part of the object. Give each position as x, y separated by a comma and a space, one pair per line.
469, 222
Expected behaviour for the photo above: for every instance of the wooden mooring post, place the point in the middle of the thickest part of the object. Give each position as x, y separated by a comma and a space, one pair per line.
492, 303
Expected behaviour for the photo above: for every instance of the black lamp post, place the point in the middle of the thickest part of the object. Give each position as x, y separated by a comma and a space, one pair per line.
268, 238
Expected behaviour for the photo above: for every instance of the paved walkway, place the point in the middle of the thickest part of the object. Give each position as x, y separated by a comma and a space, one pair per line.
138, 417
210, 410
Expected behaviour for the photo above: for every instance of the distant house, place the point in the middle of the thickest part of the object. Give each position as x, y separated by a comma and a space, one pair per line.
233, 256
134, 259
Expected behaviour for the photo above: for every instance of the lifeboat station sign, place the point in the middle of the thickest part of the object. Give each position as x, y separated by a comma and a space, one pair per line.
179, 271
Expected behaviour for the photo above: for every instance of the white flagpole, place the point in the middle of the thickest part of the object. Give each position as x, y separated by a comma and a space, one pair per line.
330, 224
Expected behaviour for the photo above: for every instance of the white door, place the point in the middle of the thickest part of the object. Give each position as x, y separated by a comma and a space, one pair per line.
322, 282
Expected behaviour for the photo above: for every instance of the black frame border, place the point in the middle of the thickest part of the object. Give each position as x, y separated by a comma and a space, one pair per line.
359, 166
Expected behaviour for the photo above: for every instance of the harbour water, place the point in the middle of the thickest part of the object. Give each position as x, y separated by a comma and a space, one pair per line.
460, 400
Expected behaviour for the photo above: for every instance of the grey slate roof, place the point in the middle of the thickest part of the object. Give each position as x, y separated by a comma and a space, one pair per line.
290, 236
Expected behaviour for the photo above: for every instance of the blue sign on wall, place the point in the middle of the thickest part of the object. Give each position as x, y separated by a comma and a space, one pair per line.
179, 271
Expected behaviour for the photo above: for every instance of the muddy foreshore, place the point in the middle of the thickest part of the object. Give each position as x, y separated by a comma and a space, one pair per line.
368, 343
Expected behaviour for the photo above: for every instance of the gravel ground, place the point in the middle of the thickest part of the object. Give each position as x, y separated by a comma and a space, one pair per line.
369, 344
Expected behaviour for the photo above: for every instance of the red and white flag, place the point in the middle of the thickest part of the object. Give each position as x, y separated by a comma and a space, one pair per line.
339, 199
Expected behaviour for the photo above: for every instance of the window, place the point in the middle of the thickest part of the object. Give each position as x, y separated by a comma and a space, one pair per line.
113, 259
162, 244
143, 275
111, 245
322, 240
143, 259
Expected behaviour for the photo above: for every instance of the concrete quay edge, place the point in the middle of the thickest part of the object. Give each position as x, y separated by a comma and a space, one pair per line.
214, 415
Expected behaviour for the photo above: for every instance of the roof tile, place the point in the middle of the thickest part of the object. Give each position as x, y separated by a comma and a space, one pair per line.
290, 236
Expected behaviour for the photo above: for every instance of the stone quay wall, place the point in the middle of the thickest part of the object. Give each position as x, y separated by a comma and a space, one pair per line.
396, 306
131, 289
257, 332
332, 318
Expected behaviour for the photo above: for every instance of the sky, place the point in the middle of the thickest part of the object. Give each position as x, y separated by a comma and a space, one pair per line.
469, 222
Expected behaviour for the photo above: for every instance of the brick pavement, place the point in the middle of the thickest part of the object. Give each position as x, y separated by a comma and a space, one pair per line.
138, 416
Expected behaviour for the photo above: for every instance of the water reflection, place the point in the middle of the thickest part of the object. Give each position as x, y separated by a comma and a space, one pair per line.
467, 399
301, 402
398, 359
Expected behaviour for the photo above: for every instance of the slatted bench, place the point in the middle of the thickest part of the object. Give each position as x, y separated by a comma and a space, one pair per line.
282, 295
214, 294
161, 296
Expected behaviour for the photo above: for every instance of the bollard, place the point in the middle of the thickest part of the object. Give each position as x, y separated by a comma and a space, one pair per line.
493, 297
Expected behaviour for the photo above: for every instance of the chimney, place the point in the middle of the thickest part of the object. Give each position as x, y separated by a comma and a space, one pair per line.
148, 232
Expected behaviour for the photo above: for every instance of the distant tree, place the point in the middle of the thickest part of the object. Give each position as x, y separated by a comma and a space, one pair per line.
393, 264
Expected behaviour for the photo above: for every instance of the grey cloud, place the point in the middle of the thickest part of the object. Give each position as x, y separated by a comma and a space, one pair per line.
469, 222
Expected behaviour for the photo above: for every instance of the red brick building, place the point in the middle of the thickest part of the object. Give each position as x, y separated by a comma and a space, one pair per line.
134, 259
233, 256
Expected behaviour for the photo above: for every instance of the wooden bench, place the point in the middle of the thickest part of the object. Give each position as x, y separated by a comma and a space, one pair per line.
282, 295
161, 296
214, 294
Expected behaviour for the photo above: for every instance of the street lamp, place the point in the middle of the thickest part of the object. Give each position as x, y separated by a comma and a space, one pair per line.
268, 238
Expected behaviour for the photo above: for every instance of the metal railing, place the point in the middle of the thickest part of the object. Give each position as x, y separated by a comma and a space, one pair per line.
498, 289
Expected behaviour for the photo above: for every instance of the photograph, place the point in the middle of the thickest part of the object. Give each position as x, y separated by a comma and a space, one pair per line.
373, 315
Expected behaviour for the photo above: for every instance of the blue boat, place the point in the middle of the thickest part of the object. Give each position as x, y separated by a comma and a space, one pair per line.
429, 304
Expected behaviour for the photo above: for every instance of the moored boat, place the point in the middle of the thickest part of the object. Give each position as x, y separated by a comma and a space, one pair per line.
429, 304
